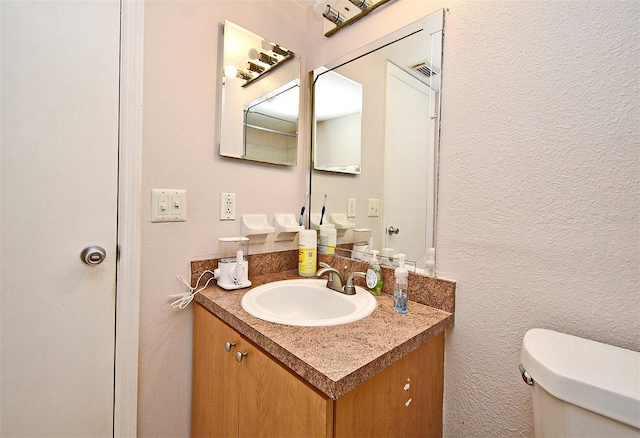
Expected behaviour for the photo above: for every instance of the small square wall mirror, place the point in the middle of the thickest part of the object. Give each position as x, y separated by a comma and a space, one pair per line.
260, 99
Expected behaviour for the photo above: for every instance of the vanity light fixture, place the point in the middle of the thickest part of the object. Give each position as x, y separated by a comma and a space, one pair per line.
320, 7
255, 67
268, 45
233, 71
342, 14
361, 4
262, 57
260, 62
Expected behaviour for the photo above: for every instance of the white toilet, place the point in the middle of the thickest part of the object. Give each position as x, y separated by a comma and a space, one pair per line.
581, 388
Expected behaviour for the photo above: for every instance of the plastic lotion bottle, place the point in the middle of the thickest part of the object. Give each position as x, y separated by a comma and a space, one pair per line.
307, 252
430, 267
400, 288
328, 236
374, 275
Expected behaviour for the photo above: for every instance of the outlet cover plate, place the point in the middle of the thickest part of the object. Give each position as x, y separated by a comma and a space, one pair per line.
227, 206
351, 207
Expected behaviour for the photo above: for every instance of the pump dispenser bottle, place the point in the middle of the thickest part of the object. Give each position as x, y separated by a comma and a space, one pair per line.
400, 288
374, 275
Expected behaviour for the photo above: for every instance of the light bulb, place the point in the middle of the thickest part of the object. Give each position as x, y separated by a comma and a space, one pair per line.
254, 54
262, 57
230, 70
319, 7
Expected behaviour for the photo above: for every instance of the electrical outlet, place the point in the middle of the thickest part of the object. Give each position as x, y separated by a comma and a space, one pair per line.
351, 207
374, 207
227, 206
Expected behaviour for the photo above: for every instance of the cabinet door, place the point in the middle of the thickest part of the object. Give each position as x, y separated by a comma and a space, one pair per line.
274, 402
404, 399
214, 407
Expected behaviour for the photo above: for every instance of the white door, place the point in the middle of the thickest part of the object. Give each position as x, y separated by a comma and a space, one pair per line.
408, 158
59, 95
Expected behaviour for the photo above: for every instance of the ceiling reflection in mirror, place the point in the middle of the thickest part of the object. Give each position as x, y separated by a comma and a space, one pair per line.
395, 191
260, 99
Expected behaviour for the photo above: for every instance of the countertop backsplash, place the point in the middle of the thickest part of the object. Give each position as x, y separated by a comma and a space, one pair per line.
430, 291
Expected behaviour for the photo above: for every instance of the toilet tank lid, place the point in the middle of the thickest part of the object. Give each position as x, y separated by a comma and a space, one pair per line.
595, 376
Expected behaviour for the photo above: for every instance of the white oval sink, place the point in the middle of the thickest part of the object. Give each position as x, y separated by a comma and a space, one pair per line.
304, 302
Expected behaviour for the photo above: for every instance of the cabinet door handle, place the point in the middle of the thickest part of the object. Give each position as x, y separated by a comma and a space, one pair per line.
240, 356
229, 345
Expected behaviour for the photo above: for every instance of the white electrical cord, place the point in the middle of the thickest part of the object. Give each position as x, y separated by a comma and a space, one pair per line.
184, 299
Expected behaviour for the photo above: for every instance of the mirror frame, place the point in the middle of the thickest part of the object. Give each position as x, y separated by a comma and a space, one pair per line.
431, 23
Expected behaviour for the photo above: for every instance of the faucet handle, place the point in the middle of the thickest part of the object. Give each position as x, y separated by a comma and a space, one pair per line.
349, 287
324, 265
335, 280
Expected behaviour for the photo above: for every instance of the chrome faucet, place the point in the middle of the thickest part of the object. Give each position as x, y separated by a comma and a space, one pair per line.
335, 280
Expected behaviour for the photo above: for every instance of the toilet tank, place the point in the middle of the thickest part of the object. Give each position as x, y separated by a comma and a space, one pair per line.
582, 388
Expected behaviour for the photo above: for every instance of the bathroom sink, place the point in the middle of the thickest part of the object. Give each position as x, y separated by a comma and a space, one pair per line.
305, 302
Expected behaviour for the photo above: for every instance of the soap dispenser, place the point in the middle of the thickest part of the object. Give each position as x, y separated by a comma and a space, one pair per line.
374, 275
400, 288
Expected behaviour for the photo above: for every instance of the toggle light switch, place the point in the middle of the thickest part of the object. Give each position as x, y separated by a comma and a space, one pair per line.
168, 205
176, 205
163, 205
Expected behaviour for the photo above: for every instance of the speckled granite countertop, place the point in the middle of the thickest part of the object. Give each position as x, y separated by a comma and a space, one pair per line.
333, 359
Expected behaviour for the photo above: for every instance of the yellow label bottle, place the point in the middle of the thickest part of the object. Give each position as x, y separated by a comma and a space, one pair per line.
307, 253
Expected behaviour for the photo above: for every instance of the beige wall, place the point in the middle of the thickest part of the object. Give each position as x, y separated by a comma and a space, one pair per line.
539, 184
179, 151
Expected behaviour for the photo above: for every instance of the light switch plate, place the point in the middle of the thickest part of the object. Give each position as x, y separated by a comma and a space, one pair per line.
168, 205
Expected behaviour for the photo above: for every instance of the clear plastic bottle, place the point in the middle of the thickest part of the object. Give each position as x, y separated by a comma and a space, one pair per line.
328, 235
400, 288
374, 275
430, 264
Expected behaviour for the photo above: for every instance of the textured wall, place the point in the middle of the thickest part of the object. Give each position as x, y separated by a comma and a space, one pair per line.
538, 218
539, 196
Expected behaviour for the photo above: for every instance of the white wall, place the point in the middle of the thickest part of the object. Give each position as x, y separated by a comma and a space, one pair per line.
539, 196
179, 151
539, 184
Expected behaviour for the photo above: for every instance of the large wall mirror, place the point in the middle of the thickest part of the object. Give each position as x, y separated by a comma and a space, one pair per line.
396, 124
260, 98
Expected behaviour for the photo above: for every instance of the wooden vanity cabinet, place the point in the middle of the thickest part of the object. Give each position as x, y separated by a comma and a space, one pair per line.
256, 397
259, 397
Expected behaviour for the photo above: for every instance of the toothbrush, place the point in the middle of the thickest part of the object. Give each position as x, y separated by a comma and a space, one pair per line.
304, 204
323, 205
